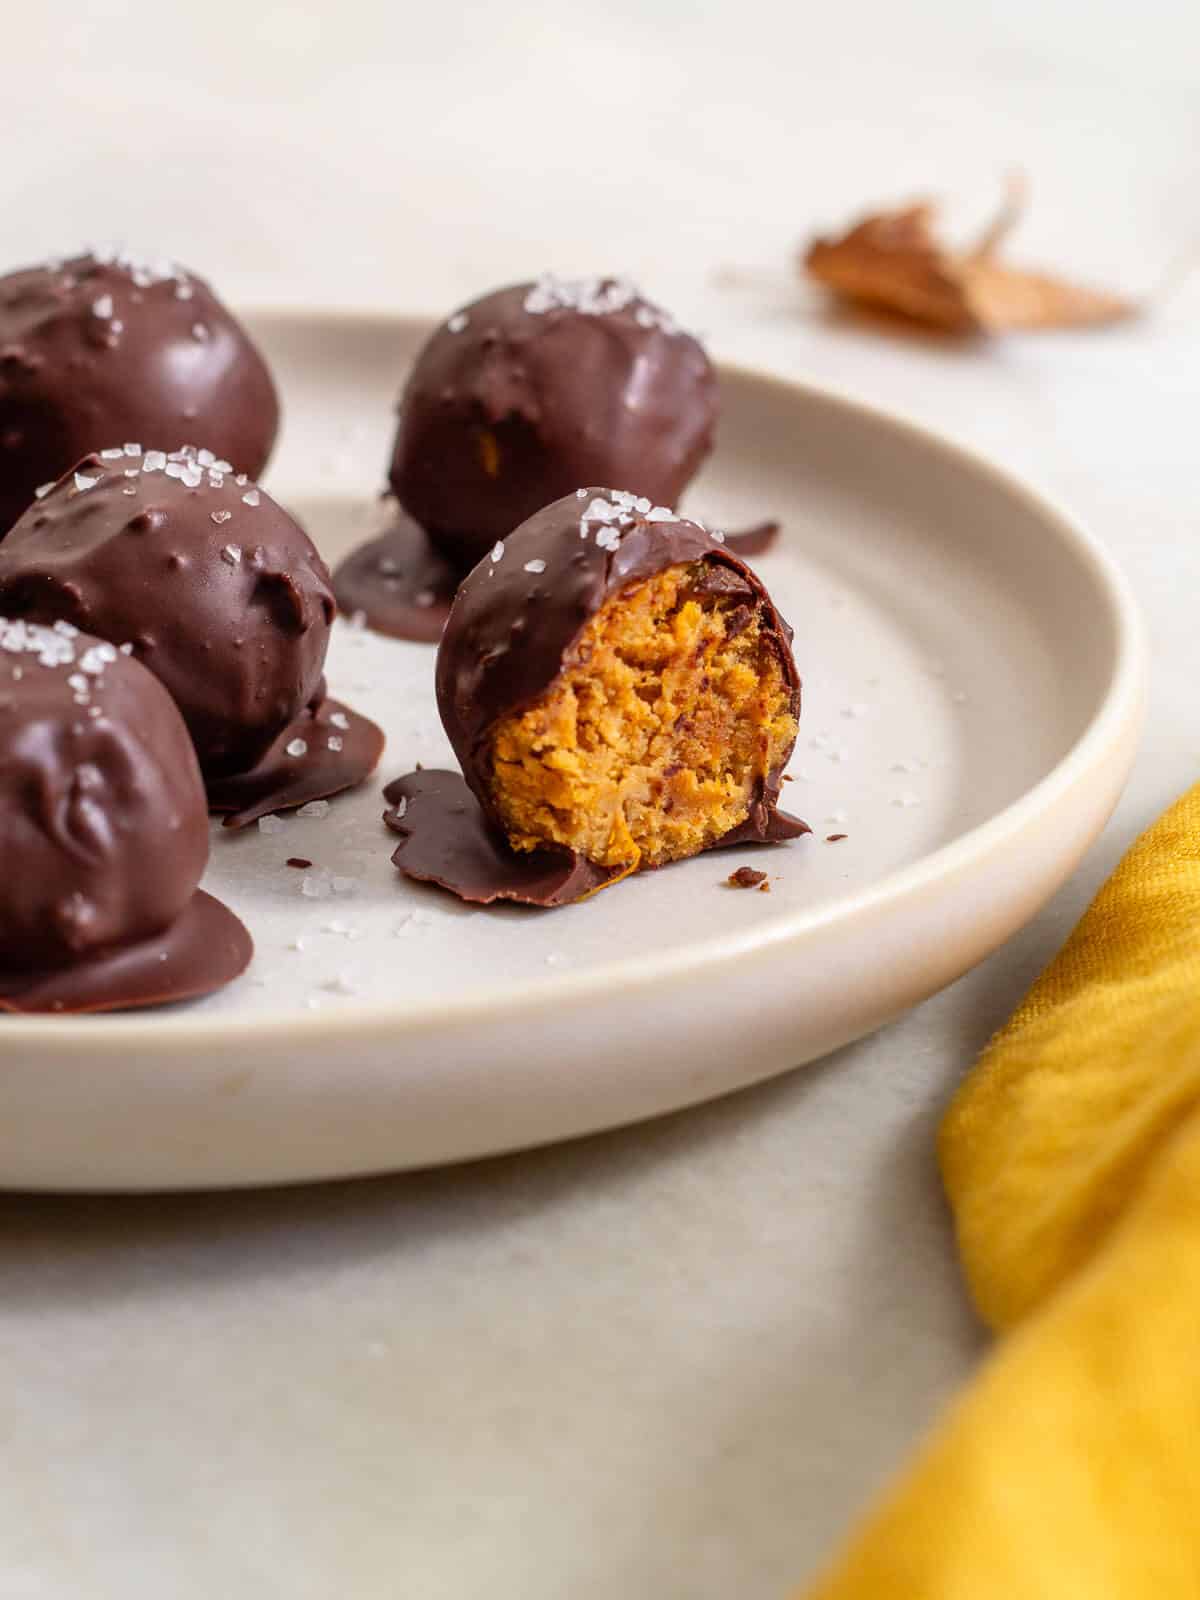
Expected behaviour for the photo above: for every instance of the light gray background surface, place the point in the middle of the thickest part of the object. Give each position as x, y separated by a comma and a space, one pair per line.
613, 1369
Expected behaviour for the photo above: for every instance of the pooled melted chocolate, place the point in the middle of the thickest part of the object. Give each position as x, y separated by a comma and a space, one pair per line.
205, 948
398, 584
447, 841
325, 750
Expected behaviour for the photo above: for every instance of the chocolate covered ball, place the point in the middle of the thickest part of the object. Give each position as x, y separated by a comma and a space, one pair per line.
103, 821
108, 346
620, 693
533, 390
220, 593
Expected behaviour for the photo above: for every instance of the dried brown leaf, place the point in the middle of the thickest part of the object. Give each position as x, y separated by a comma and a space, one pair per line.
895, 261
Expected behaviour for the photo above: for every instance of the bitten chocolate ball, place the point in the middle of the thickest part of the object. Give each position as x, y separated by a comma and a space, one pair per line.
620, 693
103, 833
533, 390
107, 346
221, 594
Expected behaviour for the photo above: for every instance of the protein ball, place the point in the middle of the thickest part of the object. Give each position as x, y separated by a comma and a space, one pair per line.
221, 593
620, 693
109, 345
535, 389
103, 833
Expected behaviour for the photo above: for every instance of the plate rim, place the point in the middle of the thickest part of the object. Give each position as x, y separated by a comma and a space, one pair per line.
1118, 713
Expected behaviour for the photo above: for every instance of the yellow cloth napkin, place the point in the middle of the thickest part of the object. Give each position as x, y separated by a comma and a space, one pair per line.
1070, 1467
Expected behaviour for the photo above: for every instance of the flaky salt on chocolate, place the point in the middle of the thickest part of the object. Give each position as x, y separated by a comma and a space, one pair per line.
620, 693
894, 260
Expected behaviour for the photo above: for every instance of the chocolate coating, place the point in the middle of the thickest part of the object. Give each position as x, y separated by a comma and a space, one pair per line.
205, 948
96, 350
398, 583
447, 841
535, 389
509, 628
221, 593
103, 832
341, 748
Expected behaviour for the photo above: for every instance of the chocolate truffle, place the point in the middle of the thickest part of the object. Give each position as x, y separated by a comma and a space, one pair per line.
533, 390
103, 834
108, 346
620, 693
221, 593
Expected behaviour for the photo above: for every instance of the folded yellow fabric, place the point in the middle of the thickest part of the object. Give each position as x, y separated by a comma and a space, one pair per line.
1070, 1467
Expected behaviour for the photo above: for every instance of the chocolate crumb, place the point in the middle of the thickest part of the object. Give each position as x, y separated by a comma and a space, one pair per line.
299, 861
746, 878
832, 838
764, 888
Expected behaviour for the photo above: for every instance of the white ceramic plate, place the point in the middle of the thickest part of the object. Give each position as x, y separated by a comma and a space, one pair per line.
972, 668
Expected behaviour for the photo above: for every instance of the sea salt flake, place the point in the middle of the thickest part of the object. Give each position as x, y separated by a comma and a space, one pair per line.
314, 808
334, 743
112, 455
400, 807
251, 497
82, 482
97, 657
200, 332
220, 516
131, 449
498, 550
457, 322
339, 719
297, 747
43, 490
271, 824
537, 565
154, 461
232, 553
103, 307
